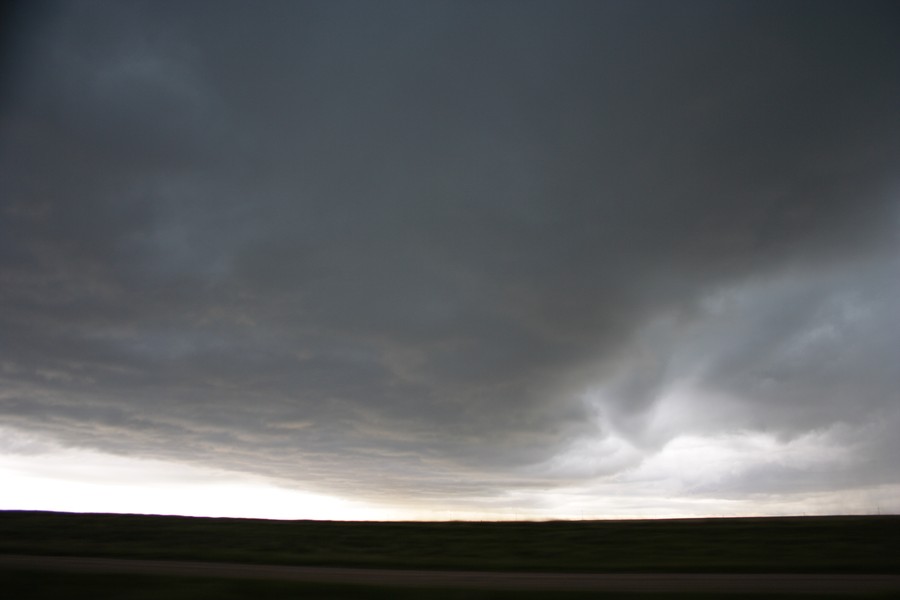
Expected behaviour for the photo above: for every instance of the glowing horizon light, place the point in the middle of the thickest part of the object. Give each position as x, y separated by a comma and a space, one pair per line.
38, 474
77, 480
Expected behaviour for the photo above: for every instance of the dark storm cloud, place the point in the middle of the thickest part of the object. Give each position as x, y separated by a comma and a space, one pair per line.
391, 247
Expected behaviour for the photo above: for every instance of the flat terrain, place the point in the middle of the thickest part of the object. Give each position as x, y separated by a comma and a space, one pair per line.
831, 545
137, 557
646, 583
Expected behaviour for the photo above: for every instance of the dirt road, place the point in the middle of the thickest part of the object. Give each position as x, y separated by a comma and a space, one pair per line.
608, 582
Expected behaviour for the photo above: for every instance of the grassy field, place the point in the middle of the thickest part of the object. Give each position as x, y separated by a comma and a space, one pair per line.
30, 585
77, 586
807, 544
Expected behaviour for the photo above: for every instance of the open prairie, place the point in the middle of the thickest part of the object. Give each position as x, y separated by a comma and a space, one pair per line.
132, 557
846, 544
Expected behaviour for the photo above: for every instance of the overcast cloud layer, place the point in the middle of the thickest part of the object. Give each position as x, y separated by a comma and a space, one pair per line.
446, 251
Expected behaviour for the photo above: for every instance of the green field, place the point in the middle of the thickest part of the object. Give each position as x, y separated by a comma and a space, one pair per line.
30, 585
864, 544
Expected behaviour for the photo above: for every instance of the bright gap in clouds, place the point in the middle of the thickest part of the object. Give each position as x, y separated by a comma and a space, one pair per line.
682, 480
35, 474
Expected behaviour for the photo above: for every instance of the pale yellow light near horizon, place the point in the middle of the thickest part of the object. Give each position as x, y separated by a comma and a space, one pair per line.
36, 474
90, 482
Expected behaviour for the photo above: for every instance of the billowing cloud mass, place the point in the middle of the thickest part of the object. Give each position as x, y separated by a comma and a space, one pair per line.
422, 252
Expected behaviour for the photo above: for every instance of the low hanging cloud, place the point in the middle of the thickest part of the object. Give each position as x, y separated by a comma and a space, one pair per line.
454, 250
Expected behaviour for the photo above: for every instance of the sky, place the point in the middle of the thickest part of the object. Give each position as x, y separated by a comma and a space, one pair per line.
450, 260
